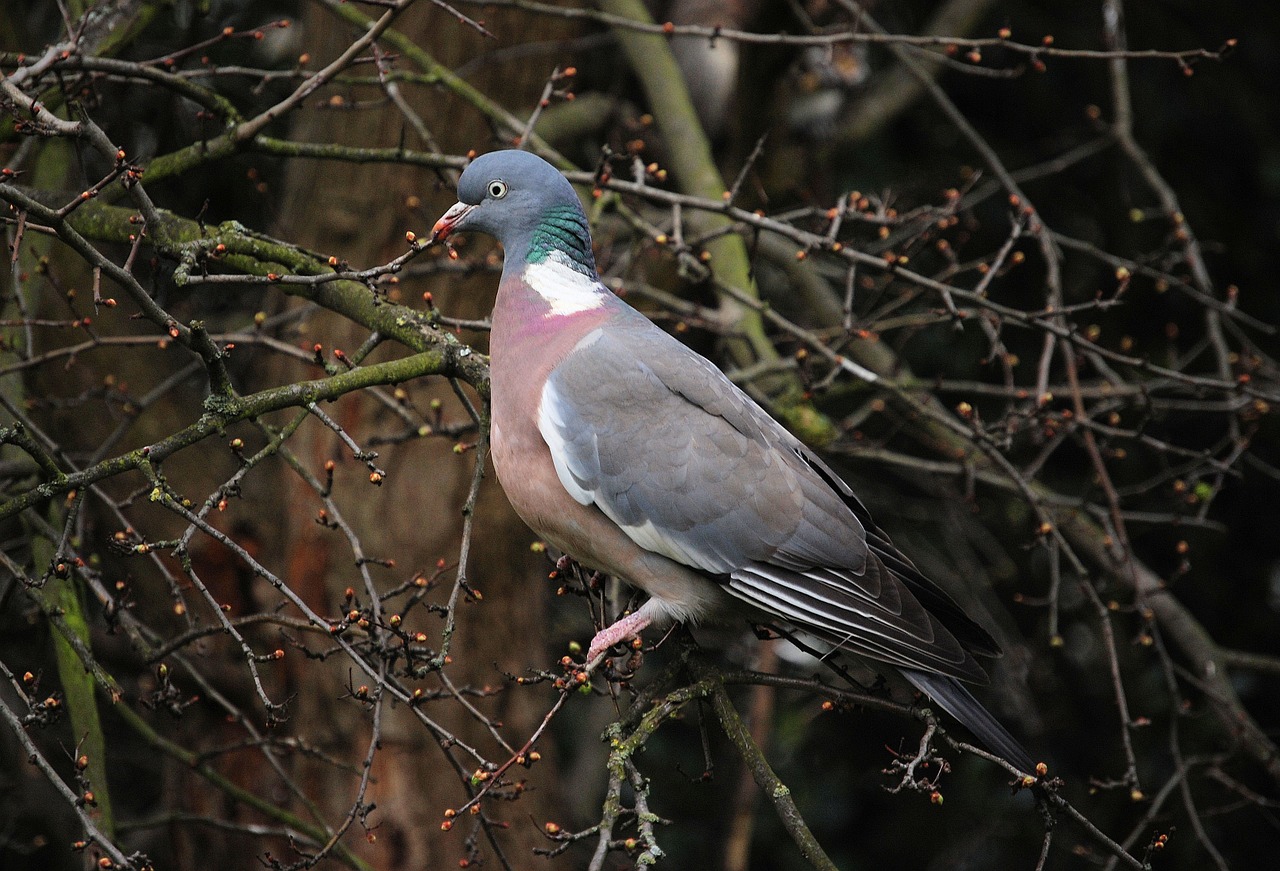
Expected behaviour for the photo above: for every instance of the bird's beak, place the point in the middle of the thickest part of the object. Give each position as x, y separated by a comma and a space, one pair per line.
449, 220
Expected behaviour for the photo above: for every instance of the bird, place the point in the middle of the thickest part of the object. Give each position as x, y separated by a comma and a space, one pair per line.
629, 451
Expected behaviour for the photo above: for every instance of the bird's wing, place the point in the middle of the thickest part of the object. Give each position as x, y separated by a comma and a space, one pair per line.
689, 467
684, 469
929, 594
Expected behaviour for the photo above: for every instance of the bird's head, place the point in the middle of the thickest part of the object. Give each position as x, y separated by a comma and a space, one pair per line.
516, 197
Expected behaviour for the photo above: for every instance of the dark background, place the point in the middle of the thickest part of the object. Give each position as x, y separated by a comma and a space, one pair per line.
1214, 138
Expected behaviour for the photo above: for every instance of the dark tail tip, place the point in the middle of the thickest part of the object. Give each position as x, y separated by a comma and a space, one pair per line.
954, 698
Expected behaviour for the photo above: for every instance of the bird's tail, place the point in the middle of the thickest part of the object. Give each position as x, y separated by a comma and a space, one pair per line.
956, 700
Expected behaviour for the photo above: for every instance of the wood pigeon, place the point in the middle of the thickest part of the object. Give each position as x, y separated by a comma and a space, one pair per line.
629, 451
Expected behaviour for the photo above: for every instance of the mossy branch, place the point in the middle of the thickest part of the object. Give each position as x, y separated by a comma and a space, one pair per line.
761, 771
192, 244
696, 173
74, 657
76, 672
221, 411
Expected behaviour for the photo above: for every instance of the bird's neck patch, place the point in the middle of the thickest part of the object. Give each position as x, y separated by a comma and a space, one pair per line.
563, 230
562, 286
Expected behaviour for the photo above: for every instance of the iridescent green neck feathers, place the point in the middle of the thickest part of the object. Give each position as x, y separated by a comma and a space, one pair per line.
563, 229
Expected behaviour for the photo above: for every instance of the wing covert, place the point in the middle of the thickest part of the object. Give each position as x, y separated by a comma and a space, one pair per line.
684, 462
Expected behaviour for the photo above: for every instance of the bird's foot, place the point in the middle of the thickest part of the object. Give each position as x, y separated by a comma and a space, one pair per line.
625, 629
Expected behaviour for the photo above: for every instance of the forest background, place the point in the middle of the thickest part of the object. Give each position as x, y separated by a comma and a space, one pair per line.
262, 603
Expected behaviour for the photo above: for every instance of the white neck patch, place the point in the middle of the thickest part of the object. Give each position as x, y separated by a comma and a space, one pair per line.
566, 290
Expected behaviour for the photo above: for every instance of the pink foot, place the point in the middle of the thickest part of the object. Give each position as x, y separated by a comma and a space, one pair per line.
625, 629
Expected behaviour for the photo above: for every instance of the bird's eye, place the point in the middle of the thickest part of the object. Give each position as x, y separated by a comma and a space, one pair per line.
497, 189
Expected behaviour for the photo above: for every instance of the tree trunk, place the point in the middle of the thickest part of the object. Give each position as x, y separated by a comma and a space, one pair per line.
359, 213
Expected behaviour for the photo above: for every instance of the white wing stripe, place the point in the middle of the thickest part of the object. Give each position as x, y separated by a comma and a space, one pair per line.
859, 640
788, 603
551, 425
845, 602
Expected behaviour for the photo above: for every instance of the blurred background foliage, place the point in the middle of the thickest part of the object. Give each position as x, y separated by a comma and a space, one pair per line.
832, 122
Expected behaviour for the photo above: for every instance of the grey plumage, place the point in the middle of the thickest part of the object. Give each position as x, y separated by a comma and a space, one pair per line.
687, 465
639, 457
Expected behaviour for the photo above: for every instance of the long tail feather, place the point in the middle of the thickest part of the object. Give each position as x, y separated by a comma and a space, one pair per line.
956, 700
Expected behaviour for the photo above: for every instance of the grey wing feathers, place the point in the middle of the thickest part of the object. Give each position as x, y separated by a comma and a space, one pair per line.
688, 466
935, 600
889, 627
685, 463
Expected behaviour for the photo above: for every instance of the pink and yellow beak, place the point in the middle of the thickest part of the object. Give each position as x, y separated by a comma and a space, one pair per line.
449, 220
